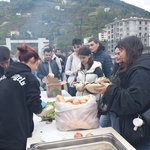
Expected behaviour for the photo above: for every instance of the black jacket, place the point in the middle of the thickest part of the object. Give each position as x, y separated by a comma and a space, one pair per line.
19, 99
131, 99
104, 59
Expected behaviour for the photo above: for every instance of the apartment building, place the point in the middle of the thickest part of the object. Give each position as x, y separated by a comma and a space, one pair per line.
126, 27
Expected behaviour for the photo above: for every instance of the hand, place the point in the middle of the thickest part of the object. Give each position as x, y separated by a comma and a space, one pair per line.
75, 72
102, 89
60, 59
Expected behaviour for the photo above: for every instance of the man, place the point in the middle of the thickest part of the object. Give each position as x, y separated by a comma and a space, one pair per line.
61, 58
72, 65
54, 57
5, 59
47, 66
99, 55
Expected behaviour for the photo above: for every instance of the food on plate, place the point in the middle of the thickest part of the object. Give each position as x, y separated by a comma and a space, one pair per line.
80, 87
60, 98
51, 75
103, 79
50, 114
47, 110
78, 135
89, 134
91, 87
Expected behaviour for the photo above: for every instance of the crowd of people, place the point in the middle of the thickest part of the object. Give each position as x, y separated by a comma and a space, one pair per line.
125, 98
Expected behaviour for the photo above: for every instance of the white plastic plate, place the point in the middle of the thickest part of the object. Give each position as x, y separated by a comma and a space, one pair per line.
53, 136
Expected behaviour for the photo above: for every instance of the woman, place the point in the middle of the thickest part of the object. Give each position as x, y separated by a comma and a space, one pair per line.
20, 98
132, 97
111, 119
89, 71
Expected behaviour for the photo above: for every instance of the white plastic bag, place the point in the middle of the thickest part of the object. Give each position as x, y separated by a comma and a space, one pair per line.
72, 117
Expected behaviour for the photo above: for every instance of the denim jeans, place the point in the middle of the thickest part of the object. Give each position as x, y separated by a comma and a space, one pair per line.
145, 146
110, 120
105, 120
72, 91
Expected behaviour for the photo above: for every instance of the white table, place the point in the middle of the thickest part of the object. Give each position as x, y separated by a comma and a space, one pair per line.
41, 128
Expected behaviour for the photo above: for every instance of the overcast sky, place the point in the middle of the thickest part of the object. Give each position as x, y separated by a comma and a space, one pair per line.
145, 4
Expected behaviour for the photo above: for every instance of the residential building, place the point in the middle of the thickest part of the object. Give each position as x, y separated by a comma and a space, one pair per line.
126, 27
102, 36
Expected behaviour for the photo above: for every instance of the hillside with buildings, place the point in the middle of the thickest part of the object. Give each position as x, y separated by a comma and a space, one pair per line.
61, 20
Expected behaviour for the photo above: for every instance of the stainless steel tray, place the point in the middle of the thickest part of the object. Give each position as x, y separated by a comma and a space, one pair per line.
102, 142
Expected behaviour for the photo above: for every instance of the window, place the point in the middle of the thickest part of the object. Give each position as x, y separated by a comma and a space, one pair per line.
121, 24
140, 22
140, 28
145, 22
145, 28
140, 34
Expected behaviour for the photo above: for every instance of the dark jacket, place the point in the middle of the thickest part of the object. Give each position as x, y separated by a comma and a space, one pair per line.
104, 59
43, 69
131, 99
19, 99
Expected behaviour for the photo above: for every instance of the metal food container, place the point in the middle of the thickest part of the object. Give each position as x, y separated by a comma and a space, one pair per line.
98, 142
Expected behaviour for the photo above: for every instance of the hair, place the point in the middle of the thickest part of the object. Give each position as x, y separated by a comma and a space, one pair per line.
133, 47
47, 50
76, 41
95, 40
85, 51
57, 50
4, 53
26, 52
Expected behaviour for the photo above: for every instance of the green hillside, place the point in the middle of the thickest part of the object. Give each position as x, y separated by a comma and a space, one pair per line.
77, 18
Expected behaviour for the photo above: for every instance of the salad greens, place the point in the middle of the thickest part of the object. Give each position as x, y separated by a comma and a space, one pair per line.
51, 114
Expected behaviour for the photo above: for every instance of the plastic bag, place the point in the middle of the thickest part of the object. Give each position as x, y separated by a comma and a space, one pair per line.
72, 117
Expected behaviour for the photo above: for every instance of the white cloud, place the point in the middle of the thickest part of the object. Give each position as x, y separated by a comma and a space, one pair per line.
144, 4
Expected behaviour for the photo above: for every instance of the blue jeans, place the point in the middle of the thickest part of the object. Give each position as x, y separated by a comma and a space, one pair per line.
105, 120
110, 120
145, 146
72, 91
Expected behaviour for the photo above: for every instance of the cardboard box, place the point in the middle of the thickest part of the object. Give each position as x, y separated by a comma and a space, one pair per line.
53, 86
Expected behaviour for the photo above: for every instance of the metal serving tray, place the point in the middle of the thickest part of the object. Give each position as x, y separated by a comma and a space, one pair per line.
98, 142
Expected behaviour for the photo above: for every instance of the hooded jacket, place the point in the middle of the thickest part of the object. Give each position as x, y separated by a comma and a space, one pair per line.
19, 99
104, 59
131, 99
89, 76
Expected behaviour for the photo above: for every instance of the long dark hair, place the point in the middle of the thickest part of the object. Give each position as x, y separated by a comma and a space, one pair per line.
133, 47
85, 51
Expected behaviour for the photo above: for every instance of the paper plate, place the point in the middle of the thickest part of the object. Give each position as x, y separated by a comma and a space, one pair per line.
53, 136
91, 87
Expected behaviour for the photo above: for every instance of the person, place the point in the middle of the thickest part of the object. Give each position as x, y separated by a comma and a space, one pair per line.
72, 64
111, 119
48, 65
62, 60
54, 57
131, 98
89, 71
5, 59
20, 98
99, 55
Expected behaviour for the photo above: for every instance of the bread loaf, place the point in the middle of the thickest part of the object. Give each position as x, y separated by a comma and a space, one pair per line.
60, 98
